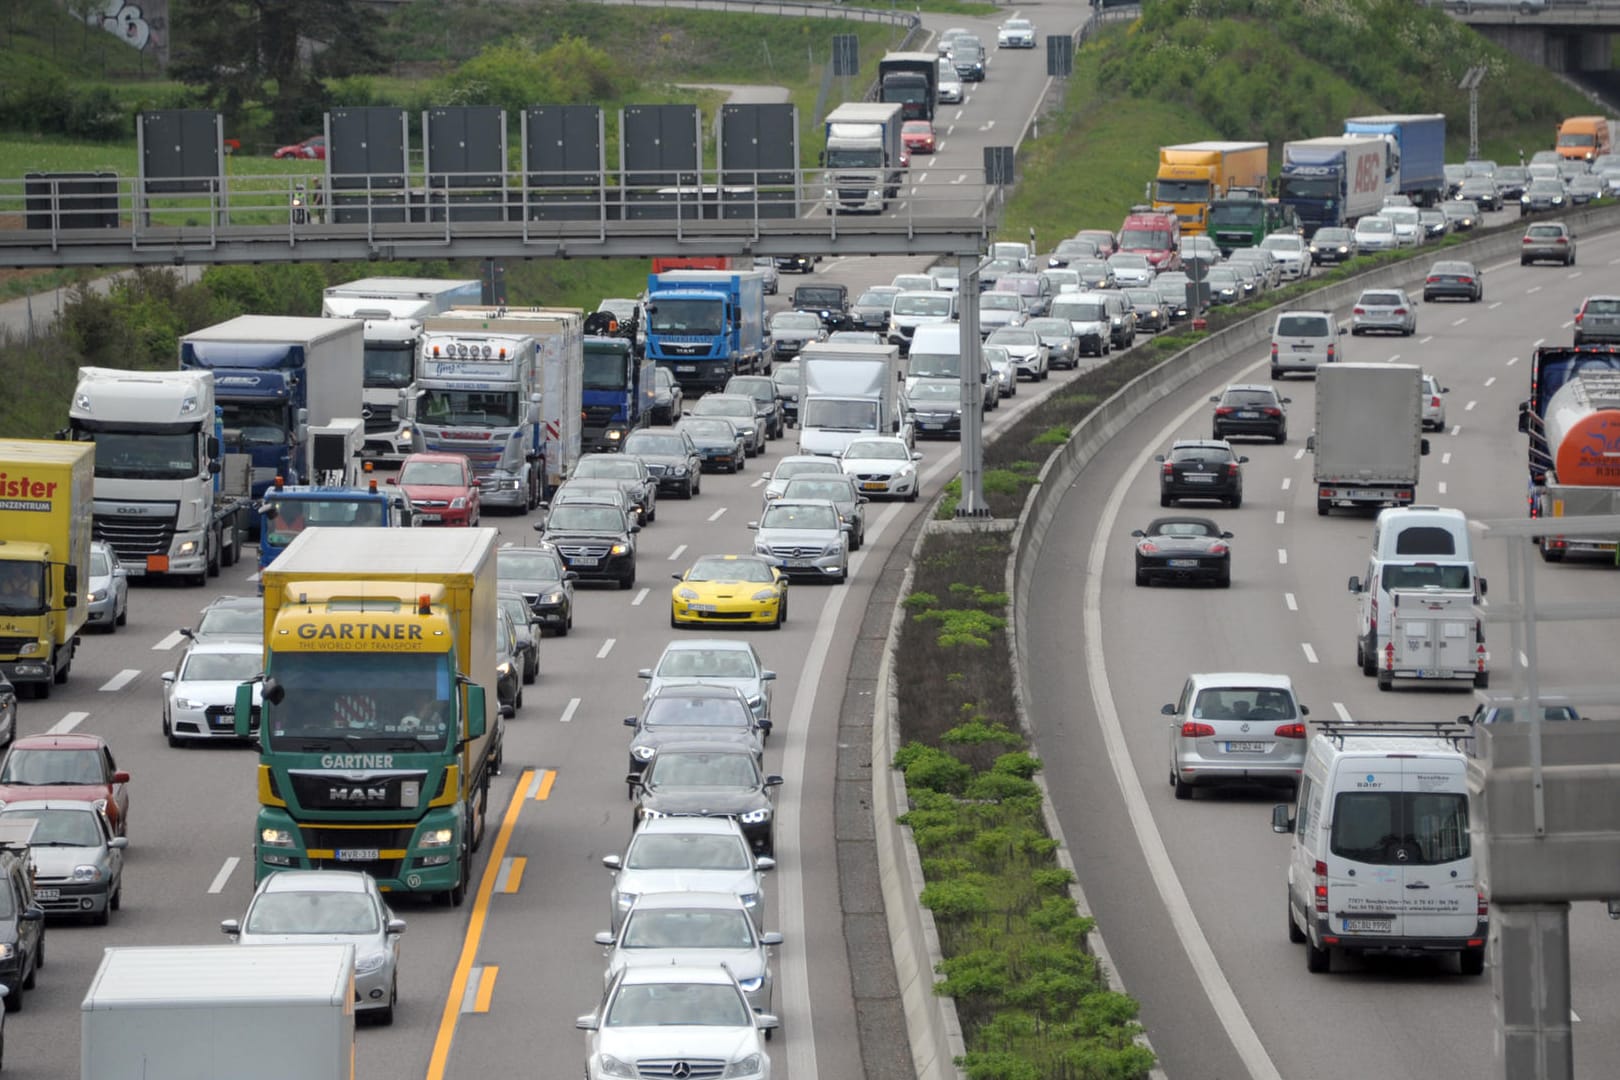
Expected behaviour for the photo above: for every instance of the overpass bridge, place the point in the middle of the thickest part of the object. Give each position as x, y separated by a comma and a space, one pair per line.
1559, 35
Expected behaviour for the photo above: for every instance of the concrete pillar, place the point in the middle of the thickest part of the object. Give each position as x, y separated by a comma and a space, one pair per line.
1594, 51
1530, 974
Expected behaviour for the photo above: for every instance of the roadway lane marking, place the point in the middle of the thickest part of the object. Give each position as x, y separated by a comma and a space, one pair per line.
1524, 661
169, 642
921, 177
1310, 653
1470, 406
760, 482
542, 790
1569, 324
252, 577
1538, 343
1206, 967
569, 710
1282, 556
1288, 598
440, 1057
1393, 357
1445, 458
217, 886
511, 875
480, 987
1288, 482
680, 549
1572, 277
1456, 429
1299, 453
1459, 322
958, 115
1490, 381
1280, 514
1344, 713
607, 647
1494, 305
1425, 339
121, 680
640, 596
1512, 360
959, 178
717, 514
67, 723
1573, 1018
1532, 290
1442, 487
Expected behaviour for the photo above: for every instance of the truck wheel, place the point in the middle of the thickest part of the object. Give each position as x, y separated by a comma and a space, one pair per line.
1386, 681
1369, 656
1321, 507
218, 537
1471, 961
42, 690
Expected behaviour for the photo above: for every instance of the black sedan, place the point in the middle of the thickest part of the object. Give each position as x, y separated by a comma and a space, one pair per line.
708, 779
695, 712
671, 457
1456, 279
1331, 246
1183, 549
595, 540
719, 444
1201, 469
545, 581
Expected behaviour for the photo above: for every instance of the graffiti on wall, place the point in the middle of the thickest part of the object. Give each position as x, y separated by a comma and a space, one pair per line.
143, 26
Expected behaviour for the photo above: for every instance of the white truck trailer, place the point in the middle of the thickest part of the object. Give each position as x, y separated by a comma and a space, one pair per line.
848, 391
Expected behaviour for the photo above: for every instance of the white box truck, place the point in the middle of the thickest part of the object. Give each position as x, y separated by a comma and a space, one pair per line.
847, 391
1369, 435
208, 1012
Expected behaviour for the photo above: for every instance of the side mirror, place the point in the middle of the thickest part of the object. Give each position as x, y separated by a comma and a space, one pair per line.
766, 1022
211, 447
475, 712
1158, 457
242, 721
230, 927
570, 575
1168, 710
633, 779
118, 843
1465, 719
629, 721
274, 692
167, 677
33, 913
391, 481
915, 456
753, 525
539, 526
1524, 416
1343, 331
1484, 586
1243, 460
1226, 536
764, 862
119, 777
635, 527
588, 1022
1281, 821
395, 927
764, 726
604, 937
1216, 399
767, 676
773, 781
1355, 584
1304, 710
1138, 532
770, 938
1310, 444
613, 862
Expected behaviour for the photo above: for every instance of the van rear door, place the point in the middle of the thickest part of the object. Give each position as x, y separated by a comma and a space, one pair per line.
1365, 880
1437, 863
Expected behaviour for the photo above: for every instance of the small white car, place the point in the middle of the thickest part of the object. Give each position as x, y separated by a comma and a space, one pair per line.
1376, 233
681, 928
950, 84
1384, 311
108, 603
1016, 34
884, 466
678, 854
1292, 253
199, 696
691, 1014
1409, 231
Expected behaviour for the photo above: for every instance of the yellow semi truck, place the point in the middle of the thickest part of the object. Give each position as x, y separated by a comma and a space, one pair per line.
375, 744
46, 501
1192, 175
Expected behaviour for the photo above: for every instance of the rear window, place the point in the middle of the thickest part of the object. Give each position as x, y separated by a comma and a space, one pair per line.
1249, 397
1244, 703
1302, 326
1400, 828
1422, 575
1603, 307
1425, 540
1381, 299
1201, 453
1546, 232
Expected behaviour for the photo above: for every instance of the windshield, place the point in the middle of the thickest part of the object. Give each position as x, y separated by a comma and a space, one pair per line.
711, 429
1333, 236
286, 518
1085, 311
655, 851
1282, 243
799, 516
471, 408
922, 305
1375, 225
1244, 212
1000, 302
701, 769
840, 158
519, 565
1308, 187
1424, 575
612, 468
44, 768
718, 569
389, 365
786, 375
60, 828
700, 928
668, 1004
730, 712
143, 455
101, 564
232, 619
361, 701
706, 664
1400, 828
717, 405
925, 390
221, 667
1128, 261
606, 369
875, 450
698, 318
795, 320
583, 517
1577, 140
22, 588
254, 425
1182, 191
312, 913
433, 474
832, 488
644, 443
837, 415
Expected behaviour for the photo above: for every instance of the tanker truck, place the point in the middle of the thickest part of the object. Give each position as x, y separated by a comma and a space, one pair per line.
1577, 442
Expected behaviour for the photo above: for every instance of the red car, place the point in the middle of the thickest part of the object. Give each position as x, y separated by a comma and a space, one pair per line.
442, 489
313, 149
71, 767
917, 136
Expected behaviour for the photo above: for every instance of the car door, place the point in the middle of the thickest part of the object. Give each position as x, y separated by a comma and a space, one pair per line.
118, 785
1365, 878
1435, 857
115, 856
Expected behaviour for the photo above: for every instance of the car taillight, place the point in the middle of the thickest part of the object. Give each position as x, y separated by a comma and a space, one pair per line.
1167, 469
1563, 240
1434, 401
1290, 731
1333, 350
1358, 311
1321, 889
1430, 280
1274, 350
1218, 549
1147, 547
1484, 908
1224, 410
1272, 412
1527, 239
1194, 730
1579, 315
1232, 469
1400, 311
1466, 280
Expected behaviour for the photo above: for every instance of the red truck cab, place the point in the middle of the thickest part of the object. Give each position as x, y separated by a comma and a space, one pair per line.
1155, 234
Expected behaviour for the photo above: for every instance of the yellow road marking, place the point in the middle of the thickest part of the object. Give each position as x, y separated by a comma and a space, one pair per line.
514, 873
486, 988
475, 932
547, 778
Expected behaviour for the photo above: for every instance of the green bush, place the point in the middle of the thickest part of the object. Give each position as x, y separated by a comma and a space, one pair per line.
928, 767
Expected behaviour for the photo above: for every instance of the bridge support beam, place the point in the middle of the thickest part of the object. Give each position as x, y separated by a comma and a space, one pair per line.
1556, 49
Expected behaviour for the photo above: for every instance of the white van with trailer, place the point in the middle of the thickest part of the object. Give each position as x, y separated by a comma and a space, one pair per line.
1424, 548
1381, 859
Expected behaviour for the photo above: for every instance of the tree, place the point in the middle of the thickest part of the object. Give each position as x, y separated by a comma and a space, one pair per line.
271, 54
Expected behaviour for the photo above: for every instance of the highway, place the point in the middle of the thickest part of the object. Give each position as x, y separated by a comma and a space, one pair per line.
1190, 895
496, 984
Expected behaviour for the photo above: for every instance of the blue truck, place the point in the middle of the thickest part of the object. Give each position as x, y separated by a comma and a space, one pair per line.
1420, 144
617, 392
707, 325
1332, 182
275, 377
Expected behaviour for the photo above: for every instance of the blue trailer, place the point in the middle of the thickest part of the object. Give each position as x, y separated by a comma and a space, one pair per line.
1420, 140
707, 325
617, 393
288, 509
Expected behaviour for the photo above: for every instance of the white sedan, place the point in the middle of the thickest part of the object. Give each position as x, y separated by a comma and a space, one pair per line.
1292, 253
650, 1015
950, 84
1016, 34
884, 466
199, 697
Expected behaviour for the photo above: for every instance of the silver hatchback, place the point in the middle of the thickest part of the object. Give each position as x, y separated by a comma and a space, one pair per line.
1236, 728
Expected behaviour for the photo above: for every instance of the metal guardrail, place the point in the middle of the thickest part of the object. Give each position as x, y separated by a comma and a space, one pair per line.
894, 16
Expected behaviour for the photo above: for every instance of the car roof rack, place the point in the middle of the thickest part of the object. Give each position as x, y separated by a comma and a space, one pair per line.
1449, 730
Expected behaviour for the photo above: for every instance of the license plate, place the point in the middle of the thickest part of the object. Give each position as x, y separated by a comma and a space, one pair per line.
225, 721
706, 609
1198, 478
1303, 348
685, 367
874, 485
1247, 747
584, 560
1248, 416
1183, 564
430, 517
1368, 926
357, 854
47, 894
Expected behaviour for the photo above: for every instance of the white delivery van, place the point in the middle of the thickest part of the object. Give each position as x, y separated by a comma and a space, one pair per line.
1381, 860
1418, 548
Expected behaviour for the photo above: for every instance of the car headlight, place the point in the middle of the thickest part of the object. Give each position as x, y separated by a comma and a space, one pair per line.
1524, 198
608, 1065
761, 549
642, 753
86, 872
552, 598
624, 901
275, 838
755, 817
188, 548
619, 549
690, 594
504, 668
7, 951
459, 503
748, 1066
1557, 199
435, 838
365, 965
764, 595
188, 704
32, 648
98, 595
407, 432
752, 985
677, 470
834, 549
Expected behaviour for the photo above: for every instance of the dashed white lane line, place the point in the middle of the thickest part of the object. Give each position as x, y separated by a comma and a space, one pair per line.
1490, 381
760, 482
1538, 343
1532, 290
607, 647
67, 723
1282, 556
680, 549
569, 709
1494, 305
217, 886
1425, 339
169, 642
640, 596
1293, 604
1459, 322
1445, 458
1573, 275
1456, 429
717, 514
1280, 516
923, 176
1299, 453
1573, 1018
1310, 653
1512, 360
1344, 713
121, 680
1569, 323
1442, 487
1288, 482
1393, 357
1470, 406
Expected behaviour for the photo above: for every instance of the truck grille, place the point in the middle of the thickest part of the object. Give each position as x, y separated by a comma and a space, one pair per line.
321, 838
337, 791
672, 1068
379, 419
600, 414
134, 538
11, 646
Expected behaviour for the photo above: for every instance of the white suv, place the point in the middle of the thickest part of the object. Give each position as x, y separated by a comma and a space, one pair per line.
1302, 340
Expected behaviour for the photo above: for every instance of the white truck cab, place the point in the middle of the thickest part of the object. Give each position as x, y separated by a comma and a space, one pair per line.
1381, 859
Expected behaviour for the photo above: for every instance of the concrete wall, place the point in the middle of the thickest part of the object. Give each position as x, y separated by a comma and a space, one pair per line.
1554, 48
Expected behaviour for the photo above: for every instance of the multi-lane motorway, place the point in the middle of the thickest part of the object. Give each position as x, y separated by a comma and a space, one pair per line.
1190, 895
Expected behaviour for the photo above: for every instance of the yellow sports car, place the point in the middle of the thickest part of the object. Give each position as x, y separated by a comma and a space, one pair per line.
740, 590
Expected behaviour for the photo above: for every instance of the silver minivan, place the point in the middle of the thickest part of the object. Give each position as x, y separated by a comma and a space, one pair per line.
1302, 340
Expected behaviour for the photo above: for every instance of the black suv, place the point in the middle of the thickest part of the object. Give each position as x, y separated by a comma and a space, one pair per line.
829, 303
596, 540
1199, 469
1251, 409
22, 923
